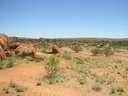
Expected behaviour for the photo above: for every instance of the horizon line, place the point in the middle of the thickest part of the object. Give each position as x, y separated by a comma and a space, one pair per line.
67, 37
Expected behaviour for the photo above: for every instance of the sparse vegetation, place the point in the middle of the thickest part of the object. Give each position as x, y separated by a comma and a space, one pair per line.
103, 49
79, 61
17, 87
66, 55
97, 87
31, 59
76, 47
97, 73
116, 90
54, 74
97, 50
8, 62
100, 79
13, 89
52, 66
82, 78
108, 50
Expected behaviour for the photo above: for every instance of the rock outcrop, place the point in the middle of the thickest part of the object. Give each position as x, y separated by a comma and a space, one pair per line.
2, 54
4, 41
55, 49
25, 50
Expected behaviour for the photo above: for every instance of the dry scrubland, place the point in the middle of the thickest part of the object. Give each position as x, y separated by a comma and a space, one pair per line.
82, 67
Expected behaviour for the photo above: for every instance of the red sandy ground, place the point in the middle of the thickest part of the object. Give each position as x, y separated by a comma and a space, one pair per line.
27, 74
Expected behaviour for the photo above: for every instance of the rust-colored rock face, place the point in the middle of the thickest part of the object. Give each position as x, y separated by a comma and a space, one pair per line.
25, 50
55, 49
8, 46
2, 54
3, 46
13, 45
4, 41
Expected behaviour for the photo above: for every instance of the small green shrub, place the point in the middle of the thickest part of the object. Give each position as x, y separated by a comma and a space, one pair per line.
13, 88
82, 79
116, 90
76, 47
100, 79
103, 49
52, 66
108, 50
54, 75
97, 50
97, 87
8, 62
43, 46
66, 55
29, 58
20, 88
59, 77
80, 61
17, 87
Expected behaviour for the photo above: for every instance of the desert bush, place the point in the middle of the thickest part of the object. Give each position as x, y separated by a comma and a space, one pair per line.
52, 66
17, 87
81, 69
116, 90
54, 74
103, 49
31, 59
13, 89
20, 88
42, 46
82, 78
100, 79
97, 87
108, 50
76, 47
8, 62
79, 61
97, 50
66, 55
59, 78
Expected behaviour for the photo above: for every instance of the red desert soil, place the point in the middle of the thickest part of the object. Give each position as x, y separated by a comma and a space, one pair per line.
27, 74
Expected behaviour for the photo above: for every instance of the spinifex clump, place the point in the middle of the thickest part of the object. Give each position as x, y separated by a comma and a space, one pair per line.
52, 67
106, 50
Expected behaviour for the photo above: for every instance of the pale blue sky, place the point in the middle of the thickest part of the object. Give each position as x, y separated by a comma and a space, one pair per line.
64, 18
